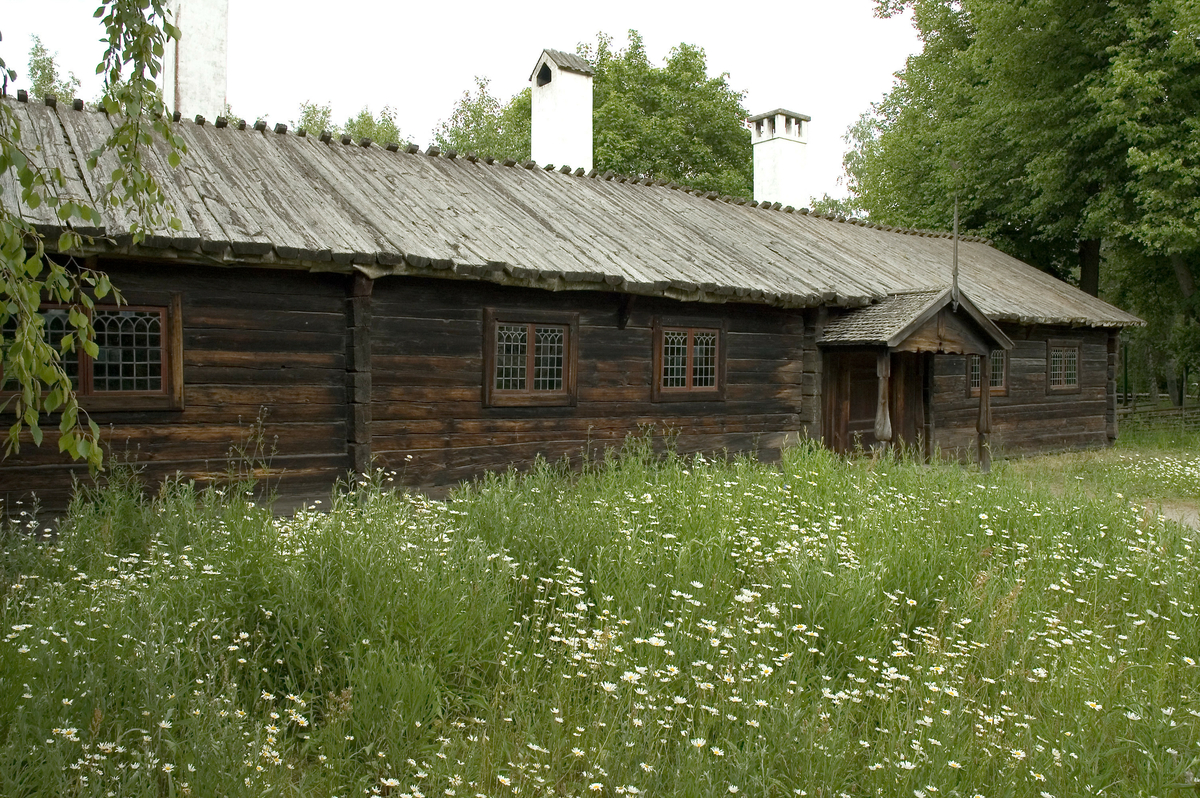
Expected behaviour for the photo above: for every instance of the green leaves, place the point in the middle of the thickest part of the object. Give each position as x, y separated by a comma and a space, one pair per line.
382, 129
672, 122
482, 124
30, 365
1072, 121
44, 78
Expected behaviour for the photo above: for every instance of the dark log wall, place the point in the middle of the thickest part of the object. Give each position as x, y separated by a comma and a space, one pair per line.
429, 422
1029, 418
253, 341
346, 369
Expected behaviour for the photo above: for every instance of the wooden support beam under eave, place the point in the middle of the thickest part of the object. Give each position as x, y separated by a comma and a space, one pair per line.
883, 413
983, 426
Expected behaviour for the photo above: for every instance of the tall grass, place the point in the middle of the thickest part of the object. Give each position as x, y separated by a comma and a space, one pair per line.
671, 627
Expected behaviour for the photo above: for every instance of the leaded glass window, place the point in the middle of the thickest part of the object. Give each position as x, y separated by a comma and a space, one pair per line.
520, 367
997, 371
130, 356
511, 348
1064, 367
56, 323
549, 353
674, 359
689, 359
704, 359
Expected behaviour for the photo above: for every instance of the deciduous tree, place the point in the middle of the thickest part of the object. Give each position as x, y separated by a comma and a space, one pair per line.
482, 124
363, 125
674, 122
44, 79
1075, 127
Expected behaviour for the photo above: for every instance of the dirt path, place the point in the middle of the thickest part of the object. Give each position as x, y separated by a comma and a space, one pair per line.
1180, 512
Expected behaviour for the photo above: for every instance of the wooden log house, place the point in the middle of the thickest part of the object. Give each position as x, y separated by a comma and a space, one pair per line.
443, 315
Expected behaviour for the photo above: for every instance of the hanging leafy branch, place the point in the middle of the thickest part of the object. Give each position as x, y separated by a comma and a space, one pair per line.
31, 364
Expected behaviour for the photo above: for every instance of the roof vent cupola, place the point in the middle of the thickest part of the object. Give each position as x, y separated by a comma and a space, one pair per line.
780, 140
562, 110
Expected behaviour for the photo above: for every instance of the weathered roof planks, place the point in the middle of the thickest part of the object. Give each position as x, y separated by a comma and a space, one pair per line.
277, 199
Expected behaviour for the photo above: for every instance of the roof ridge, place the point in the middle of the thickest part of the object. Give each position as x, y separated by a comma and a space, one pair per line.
911, 291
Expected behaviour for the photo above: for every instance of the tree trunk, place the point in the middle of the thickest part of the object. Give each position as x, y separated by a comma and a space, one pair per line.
1089, 266
1172, 383
1187, 283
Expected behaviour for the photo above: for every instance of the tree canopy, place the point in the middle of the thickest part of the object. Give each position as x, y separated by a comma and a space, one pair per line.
673, 122
363, 125
44, 80
30, 366
482, 124
1069, 131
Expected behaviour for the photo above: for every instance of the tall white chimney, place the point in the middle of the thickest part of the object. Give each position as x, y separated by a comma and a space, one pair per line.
780, 141
562, 110
195, 68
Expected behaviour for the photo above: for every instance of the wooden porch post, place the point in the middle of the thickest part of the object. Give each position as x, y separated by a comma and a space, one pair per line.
984, 424
883, 413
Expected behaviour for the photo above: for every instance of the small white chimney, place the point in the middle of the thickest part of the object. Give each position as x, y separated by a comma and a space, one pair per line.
195, 68
780, 141
562, 110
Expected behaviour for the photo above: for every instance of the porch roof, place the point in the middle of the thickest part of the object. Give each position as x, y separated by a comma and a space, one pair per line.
893, 319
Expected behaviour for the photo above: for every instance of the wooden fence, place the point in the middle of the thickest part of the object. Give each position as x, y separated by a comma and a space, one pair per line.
1164, 418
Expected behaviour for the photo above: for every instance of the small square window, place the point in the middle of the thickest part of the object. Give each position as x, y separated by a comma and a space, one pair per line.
997, 373
688, 362
1062, 366
529, 358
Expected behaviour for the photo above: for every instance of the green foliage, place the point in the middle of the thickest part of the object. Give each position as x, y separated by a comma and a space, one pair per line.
380, 128
675, 626
1070, 123
673, 122
135, 33
482, 124
44, 80
1150, 94
364, 125
669, 123
315, 118
837, 206
1064, 117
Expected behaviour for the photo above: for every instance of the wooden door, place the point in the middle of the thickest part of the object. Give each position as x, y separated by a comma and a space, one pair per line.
852, 389
908, 397
852, 396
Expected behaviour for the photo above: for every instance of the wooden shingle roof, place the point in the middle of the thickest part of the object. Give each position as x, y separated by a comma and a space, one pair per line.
568, 61
250, 195
892, 320
881, 322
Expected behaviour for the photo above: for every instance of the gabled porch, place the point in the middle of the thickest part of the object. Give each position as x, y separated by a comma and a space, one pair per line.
879, 365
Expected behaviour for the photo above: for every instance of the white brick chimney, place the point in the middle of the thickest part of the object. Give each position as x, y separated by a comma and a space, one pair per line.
780, 141
562, 110
195, 68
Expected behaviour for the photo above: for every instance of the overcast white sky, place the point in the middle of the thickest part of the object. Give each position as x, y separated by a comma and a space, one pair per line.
829, 59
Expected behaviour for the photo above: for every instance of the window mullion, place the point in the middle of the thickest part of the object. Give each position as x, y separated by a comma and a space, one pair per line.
85, 362
689, 362
530, 356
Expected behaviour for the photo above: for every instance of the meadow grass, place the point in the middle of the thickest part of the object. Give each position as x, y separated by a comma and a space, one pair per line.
1151, 465
674, 626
